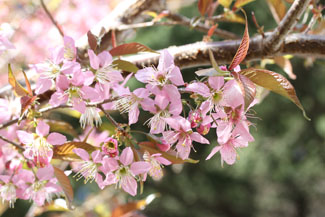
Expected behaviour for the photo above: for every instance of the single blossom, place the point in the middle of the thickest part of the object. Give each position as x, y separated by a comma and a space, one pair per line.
8, 190
183, 135
157, 162
39, 145
125, 172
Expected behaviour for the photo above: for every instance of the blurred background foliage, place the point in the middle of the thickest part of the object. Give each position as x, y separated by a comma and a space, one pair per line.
282, 173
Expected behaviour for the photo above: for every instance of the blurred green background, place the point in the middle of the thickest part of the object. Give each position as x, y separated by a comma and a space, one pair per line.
282, 173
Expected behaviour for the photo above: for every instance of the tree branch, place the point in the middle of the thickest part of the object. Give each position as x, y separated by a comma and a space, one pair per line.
52, 18
275, 40
196, 54
12, 143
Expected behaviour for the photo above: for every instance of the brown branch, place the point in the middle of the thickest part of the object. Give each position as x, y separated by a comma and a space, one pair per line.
110, 118
275, 40
13, 143
52, 18
196, 54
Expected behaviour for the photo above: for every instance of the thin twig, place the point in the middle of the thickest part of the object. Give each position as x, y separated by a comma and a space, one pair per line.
52, 18
48, 109
13, 143
110, 118
275, 40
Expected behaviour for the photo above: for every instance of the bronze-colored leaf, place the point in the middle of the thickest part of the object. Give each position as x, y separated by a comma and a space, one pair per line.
285, 64
278, 9
126, 209
18, 89
130, 48
92, 41
66, 185
241, 3
29, 89
25, 102
151, 148
65, 151
243, 48
61, 127
203, 5
125, 65
273, 82
248, 89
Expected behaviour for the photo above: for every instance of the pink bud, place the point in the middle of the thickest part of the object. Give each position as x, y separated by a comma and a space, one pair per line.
195, 118
204, 129
110, 147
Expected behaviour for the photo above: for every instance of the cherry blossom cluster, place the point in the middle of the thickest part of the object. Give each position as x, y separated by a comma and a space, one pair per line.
97, 85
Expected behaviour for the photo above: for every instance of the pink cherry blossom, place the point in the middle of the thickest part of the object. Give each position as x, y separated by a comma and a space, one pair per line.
110, 147
8, 190
183, 134
102, 64
165, 73
124, 174
157, 162
38, 146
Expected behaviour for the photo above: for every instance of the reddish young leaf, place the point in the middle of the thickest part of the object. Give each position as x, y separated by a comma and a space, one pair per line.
130, 48
65, 151
18, 89
25, 102
273, 82
241, 3
65, 184
243, 48
92, 41
248, 89
211, 30
203, 5
29, 89
151, 148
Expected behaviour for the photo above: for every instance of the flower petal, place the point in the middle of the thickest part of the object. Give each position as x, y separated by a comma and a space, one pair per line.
126, 157
140, 167
42, 128
83, 154
56, 139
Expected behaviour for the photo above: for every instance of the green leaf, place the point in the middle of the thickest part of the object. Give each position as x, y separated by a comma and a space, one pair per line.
152, 149
130, 48
243, 48
125, 66
274, 82
65, 151
66, 186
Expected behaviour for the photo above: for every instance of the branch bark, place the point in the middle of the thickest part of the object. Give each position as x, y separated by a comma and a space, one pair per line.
196, 54
275, 40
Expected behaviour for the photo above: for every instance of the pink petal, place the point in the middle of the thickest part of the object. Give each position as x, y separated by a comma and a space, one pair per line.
126, 157
141, 93
89, 77
56, 139
115, 76
199, 88
183, 150
195, 136
173, 123
105, 58
58, 98
96, 156
57, 55
232, 95
170, 136
161, 101
129, 185
43, 85
94, 60
145, 75
140, 167
62, 82
224, 131
213, 152
165, 61
133, 115
228, 154
216, 82
79, 105
89, 93
70, 45
176, 76
163, 160
148, 104
45, 173
42, 128
81, 153
24, 137
109, 165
